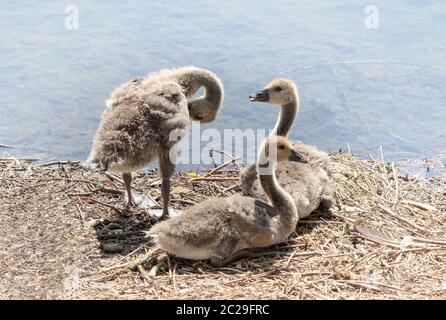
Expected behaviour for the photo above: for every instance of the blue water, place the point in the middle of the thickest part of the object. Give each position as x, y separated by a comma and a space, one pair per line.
360, 88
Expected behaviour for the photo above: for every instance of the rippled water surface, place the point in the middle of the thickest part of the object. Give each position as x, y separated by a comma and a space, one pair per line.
362, 89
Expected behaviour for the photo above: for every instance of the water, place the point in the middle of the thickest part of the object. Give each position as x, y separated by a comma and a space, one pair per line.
360, 88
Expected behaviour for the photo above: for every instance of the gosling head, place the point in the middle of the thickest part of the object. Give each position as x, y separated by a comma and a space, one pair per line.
202, 110
282, 149
279, 91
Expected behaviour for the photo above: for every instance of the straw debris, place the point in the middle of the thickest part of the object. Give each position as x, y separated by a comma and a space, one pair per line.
65, 235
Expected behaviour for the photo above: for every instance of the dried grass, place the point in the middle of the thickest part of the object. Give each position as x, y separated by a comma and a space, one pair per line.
384, 239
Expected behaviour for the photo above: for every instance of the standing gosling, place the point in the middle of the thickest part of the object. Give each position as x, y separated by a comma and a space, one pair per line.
145, 118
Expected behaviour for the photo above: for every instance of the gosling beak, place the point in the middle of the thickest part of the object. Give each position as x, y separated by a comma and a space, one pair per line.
296, 156
261, 96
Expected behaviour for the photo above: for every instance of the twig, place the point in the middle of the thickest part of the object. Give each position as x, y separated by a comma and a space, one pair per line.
370, 285
429, 241
63, 179
289, 259
81, 194
81, 214
381, 153
306, 221
227, 163
424, 249
395, 178
32, 186
59, 163
420, 205
144, 274
113, 177
141, 260
184, 201
235, 186
412, 224
213, 171
221, 152
214, 179
107, 190
106, 205
342, 217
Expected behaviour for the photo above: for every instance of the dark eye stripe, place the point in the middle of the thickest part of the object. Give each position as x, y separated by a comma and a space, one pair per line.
278, 89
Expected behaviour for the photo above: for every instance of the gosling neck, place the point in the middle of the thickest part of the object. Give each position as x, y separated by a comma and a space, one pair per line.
192, 79
280, 199
288, 113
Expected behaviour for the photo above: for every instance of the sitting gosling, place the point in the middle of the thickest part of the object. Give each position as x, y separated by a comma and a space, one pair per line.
309, 185
222, 229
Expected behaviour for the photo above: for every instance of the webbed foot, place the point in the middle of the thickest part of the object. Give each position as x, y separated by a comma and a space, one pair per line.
158, 215
139, 200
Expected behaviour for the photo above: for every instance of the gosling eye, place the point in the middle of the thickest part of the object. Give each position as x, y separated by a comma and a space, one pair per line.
278, 89
282, 147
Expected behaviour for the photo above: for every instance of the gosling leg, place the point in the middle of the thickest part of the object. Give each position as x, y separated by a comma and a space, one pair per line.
127, 178
166, 169
165, 192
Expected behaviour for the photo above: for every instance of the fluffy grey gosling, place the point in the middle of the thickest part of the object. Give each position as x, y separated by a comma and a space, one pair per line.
222, 229
309, 185
146, 117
